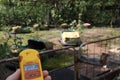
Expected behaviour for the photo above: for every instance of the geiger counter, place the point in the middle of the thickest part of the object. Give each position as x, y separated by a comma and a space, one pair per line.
30, 65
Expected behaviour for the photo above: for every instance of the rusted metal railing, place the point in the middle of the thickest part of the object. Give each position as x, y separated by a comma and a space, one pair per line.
88, 59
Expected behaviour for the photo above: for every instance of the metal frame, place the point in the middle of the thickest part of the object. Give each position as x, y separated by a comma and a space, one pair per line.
105, 74
76, 60
41, 53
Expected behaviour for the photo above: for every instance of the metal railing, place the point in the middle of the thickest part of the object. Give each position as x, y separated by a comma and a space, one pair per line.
88, 63
48, 52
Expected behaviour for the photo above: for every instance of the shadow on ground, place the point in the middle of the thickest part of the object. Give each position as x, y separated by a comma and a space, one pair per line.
63, 74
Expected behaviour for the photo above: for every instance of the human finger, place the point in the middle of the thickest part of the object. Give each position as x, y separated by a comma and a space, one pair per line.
48, 78
45, 73
15, 75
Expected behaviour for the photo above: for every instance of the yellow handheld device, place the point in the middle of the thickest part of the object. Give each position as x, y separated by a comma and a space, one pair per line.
30, 65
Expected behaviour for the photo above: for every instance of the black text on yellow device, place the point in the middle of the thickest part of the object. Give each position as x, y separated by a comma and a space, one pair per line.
30, 65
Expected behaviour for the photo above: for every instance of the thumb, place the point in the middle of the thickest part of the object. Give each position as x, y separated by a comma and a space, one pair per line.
14, 76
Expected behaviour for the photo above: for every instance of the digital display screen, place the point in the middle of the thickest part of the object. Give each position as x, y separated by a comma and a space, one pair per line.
31, 67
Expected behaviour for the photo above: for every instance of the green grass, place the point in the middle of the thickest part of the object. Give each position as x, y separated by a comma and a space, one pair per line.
58, 62
42, 35
39, 35
49, 63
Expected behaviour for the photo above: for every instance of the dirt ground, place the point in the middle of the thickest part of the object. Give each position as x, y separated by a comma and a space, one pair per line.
91, 35
86, 36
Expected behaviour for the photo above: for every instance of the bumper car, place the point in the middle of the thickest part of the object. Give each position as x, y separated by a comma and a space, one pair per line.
70, 38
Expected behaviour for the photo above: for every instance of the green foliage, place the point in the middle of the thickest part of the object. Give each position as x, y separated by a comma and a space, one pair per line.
58, 61
4, 49
21, 12
10, 43
102, 12
28, 12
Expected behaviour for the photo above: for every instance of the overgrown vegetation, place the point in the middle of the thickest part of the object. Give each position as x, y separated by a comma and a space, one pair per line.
16, 41
28, 12
58, 60
53, 13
